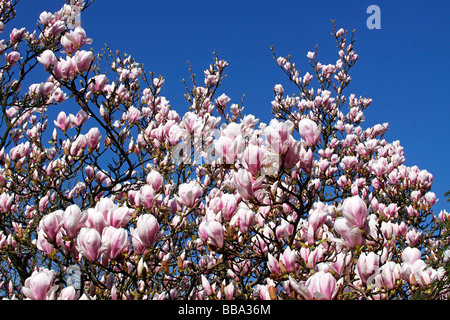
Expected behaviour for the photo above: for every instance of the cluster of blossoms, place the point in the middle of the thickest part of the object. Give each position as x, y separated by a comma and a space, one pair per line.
142, 202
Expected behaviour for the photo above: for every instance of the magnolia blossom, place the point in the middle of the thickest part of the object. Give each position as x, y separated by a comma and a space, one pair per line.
321, 285
227, 148
350, 233
244, 183
39, 286
12, 58
74, 219
388, 276
74, 40
253, 157
115, 240
279, 135
147, 229
69, 293
310, 131
48, 59
355, 211
189, 193
89, 243
215, 233
51, 224
367, 266
93, 138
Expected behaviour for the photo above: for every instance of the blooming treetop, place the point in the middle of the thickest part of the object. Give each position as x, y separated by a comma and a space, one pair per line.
142, 202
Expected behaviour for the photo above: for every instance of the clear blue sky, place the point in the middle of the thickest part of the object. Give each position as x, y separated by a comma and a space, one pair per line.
404, 67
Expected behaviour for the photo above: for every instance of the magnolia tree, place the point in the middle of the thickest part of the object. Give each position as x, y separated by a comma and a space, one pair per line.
106, 192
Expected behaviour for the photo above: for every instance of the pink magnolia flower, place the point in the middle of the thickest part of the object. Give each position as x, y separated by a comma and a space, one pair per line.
278, 88
118, 216
65, 69
278, 135
89, 244
82, 60
310, 131
97, 83
426, 275
74, 219
284, 229
13, 57
318, 215
321, 285
244, 183
147, 229
288, 258
413, 236
203, 235
355, 211
147, 196
80, 118
43, 204
46, 18
155, 179
311, 257
42, 243
253, 156
104, 205
72, 41
245, 218
293, 154
230, 290
227, 148
391, 210
115, 240
411, 255
223, 100
389, 230
138, 246
272, 264
367, 266
19, 151
133, 114
95, 220
189, 193
39, 286
350, 233
68, 293
206, 286
229, 206
390, 272
233, 130
191, 122
306, 159
310, 55
430, 198
340, 32
58, 96
93, 138
214, 230
17, 35
48, 59
6, 202
51, 224
63, 122
174, 134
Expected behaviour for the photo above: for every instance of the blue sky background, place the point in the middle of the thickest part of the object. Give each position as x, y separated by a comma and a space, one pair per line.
404, 67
